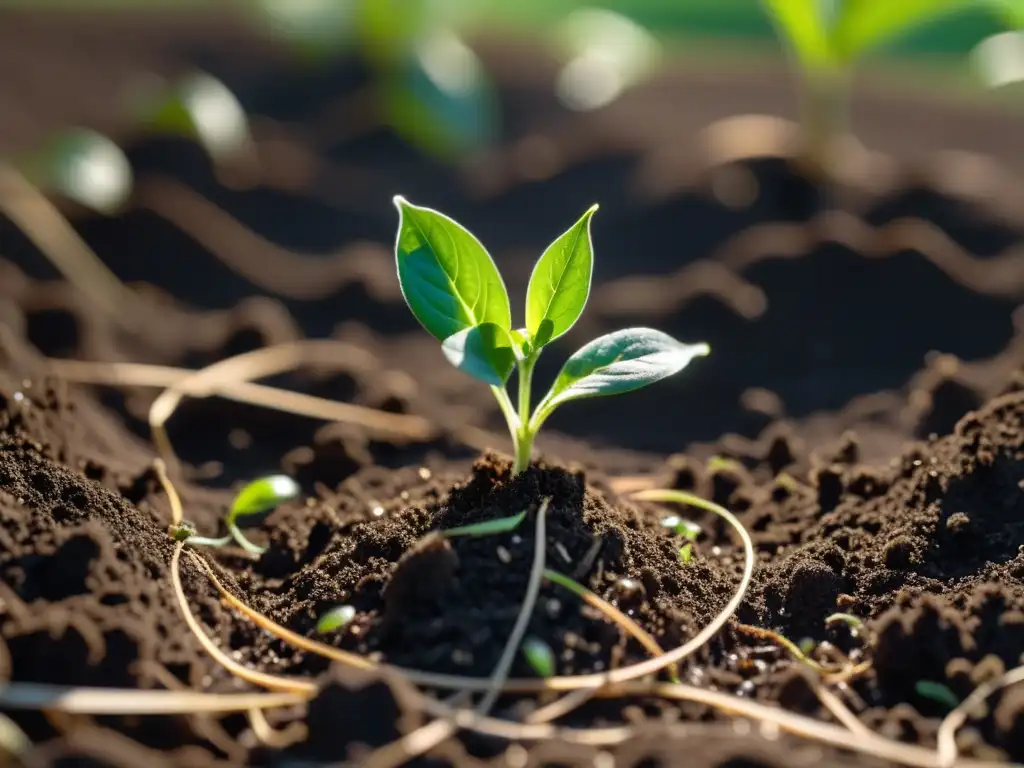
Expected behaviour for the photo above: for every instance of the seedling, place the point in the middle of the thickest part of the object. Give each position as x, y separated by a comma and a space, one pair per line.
686, 553
855, 624
827, 37
680, 526
256, 498
336, 618
454, 289
539, 655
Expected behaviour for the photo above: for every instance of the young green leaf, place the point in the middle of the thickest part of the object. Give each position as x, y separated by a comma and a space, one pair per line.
855, 623
335, 618
447, 277
521, 343
485, 352
487, 527
618, 362
686, 553
864, 24
560, 283
937, 692
540, 656
262, 495
682, 527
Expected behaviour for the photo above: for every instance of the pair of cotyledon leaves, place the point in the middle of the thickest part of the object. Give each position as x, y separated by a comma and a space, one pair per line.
454, 289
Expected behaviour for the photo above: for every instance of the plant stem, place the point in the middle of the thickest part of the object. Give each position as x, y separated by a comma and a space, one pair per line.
824, 120
509, 411
524, 436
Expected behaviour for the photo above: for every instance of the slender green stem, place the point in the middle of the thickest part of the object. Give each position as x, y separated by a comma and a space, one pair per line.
509, 411
203, 541
824, 119
524, 435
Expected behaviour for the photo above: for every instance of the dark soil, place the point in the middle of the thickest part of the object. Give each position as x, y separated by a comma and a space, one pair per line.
862, 412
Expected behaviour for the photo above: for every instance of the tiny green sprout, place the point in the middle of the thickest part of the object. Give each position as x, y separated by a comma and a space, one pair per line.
722, 464
487, 527
686, 553
807, 646
680, 526
335, 618
827, 37
855, 624
256, 498
183, 531
455, 291
540, 656
937, 692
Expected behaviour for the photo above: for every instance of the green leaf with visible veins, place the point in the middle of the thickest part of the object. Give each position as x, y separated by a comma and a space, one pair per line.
447, 277
483, 351
560, 283
619, 362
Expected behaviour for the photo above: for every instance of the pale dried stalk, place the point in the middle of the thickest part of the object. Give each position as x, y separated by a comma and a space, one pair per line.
142, 375
53, 235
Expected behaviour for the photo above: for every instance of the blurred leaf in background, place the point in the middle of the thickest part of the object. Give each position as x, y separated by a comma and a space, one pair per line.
83, 166
432, 88
440, 97
198, 107
607, 53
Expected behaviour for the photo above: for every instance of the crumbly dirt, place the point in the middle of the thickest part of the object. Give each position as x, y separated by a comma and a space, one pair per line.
862, 413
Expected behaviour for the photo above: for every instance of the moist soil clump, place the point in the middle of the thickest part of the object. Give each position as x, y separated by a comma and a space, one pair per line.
448, 605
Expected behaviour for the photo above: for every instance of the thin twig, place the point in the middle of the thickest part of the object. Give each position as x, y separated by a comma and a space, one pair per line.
946, 736
557, 683
613, 614
58, 241
120, 701
142, 375
255, 364
262, 679
267, 735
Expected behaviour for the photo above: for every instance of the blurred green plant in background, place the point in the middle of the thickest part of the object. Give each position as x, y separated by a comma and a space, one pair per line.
828, 37
430, 87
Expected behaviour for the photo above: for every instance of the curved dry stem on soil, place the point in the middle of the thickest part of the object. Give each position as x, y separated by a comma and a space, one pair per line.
85, 700
41, 222
255, 364
828, 674
271, 682
946, 736
241, 391
558, 683
613, 614
267, 735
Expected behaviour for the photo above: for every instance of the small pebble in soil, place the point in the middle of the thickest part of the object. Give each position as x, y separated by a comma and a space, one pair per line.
377, 511
563, 552
553, 608
504, 555
746, 688
628, 593
424, 473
